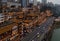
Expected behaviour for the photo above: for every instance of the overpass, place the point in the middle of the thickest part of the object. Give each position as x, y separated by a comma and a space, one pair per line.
40, 31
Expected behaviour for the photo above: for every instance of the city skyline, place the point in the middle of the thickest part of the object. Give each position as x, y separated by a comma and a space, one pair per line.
54, 1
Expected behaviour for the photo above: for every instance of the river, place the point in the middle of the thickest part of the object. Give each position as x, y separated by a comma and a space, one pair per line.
56, 35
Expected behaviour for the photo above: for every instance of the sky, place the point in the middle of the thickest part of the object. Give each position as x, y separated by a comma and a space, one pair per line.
54, 1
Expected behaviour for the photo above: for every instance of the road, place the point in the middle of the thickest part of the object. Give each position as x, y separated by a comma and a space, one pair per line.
41, 30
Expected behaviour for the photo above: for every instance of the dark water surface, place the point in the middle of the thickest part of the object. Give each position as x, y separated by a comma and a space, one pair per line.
56, 35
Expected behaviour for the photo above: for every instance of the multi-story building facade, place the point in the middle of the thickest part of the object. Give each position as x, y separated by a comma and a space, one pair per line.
17, 1
44, 1
23, 3
34, 2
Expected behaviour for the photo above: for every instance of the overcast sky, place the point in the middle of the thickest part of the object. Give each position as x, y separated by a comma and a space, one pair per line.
54, 1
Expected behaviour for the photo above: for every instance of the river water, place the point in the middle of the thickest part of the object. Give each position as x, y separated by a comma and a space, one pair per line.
56, 35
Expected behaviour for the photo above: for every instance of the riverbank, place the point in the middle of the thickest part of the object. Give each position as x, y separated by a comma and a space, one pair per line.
56, 35
56, 32
56, 25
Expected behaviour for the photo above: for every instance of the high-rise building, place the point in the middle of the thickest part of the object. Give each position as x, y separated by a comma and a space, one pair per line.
30, 1
34, 2
44, 1
24, 3
14, 1
4, 1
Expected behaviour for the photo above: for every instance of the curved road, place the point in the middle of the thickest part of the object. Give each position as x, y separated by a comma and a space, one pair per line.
41, 30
